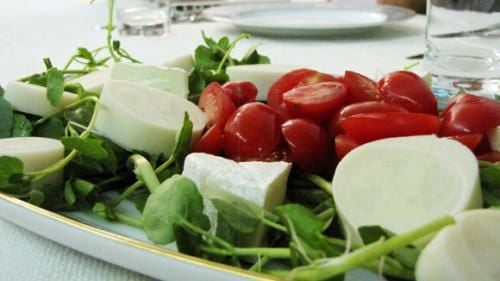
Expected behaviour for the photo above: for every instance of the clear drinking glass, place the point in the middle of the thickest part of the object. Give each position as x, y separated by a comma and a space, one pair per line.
463, 47
145, 18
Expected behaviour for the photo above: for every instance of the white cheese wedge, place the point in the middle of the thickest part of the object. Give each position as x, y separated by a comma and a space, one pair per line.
262, 75
143, 118
261, 183
402, 183
36, 154
185, 62
32, 99
494, 138
173, 80
468, 250
92, 81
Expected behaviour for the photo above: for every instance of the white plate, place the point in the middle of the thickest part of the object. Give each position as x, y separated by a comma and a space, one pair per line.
111, 242
299, 19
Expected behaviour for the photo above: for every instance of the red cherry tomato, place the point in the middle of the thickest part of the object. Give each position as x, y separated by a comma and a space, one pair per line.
471, 141
308, 143
279, 154
241, 92
360, 88
470, 114
492, 157
372, 126
344, 144
252, 132
292, 79
334, 127
317, 101
408, 90
216, 104
211, 142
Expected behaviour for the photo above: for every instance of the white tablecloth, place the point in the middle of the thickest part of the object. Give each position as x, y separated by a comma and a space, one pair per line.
32, 29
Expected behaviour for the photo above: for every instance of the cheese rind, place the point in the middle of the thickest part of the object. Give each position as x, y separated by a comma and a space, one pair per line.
468, 250
261, 183
143, 118
36, 154
170, 79
262, 75
402, 183
32, 99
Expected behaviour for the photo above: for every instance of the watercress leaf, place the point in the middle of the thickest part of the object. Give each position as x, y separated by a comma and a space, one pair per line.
2, 91
211, 75
38, 79
83, 166
80, 115
103, 210
69, 194
89, 147
55, 86
52, 128
187, 241
9, 166
175, 198
242, 215
204, 58
183, 141
22, 126
116, 45
372, 233
490, 176
85, 54
139, 200
209, 41
253, 57
407, 256
82, 188
197, 83
6, 118
110, 162
53, 196
36, 197
225, 231
223, 43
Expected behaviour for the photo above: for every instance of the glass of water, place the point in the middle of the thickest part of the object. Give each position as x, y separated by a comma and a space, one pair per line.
145, 18
463, 47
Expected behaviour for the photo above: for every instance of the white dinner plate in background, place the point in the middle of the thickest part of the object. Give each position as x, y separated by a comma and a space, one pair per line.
304, 20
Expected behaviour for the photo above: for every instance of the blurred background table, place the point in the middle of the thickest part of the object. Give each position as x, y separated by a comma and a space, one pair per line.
32, 29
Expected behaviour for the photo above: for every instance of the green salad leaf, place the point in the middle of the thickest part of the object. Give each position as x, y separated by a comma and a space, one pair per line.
6, 117
55, 86
22, 126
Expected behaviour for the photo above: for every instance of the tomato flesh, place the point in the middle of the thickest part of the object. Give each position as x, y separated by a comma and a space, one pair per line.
470, 114
241, 92
308, 143
252, 132
216, 104
373, 126
292, 79
471, 141
334, 127
360, 88
317, 101
408, 90
211, 142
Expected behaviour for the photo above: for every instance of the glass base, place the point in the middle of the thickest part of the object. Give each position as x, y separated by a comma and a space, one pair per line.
445, 87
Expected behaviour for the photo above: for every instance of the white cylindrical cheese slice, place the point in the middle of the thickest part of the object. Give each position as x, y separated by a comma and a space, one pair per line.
402, 183
185, 62
93, 81
32, 99
170, 79
143, 118
262, 75
468, 250
36, 154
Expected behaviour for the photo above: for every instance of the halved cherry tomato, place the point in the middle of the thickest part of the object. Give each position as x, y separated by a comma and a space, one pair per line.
241, 92
471, 141
317, 101
281, 153
470, 114
366, 127
360, 88
308, 143
344, 144
216, 104
292, 79
334, 127
408, 90
211, 142
252, 132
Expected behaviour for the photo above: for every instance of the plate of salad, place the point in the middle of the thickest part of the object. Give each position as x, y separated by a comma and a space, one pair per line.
224, 168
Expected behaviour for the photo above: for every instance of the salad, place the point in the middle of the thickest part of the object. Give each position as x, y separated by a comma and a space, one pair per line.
246, 163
